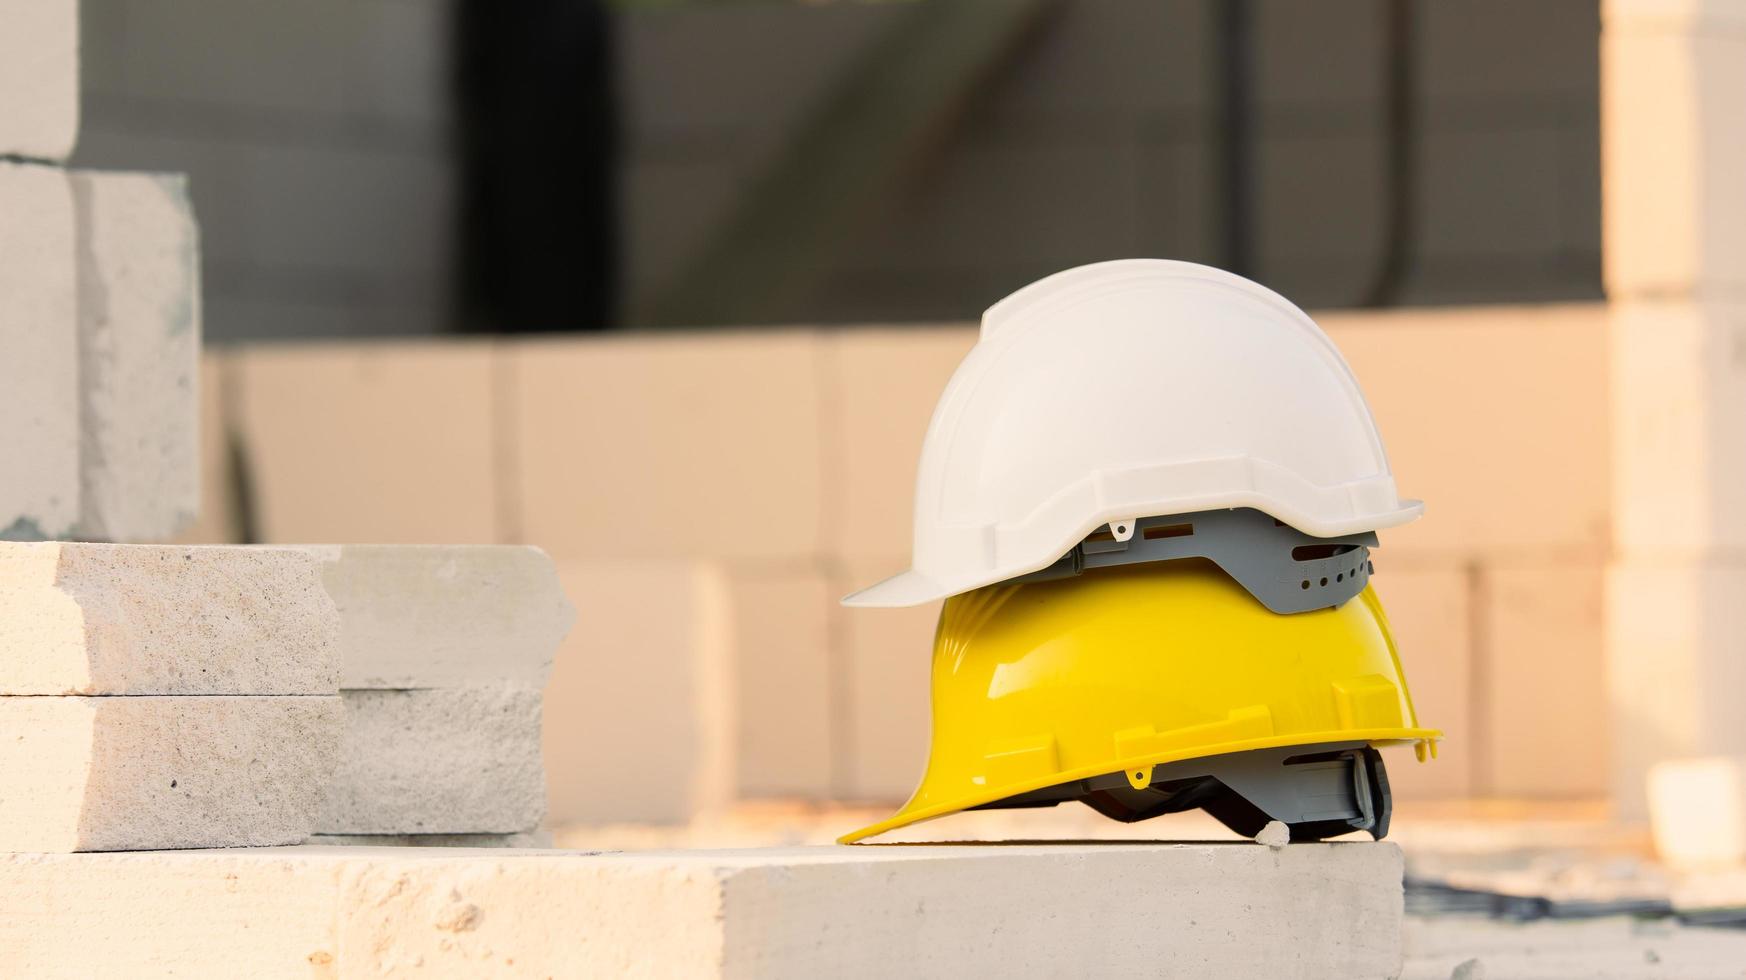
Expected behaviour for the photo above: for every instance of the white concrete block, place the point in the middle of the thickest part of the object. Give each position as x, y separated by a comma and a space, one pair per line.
714, 441
1673, 144
689, 687
1697, 811
39, 369
1430, 611
1675, 664
139, 773
783, 734
1679, 428
1307, 910
163, 619
883, 384
384, 442
440, 761
1544, 680
139, 351
39, 78
1541, 425
417, 616
642, 699
887, 654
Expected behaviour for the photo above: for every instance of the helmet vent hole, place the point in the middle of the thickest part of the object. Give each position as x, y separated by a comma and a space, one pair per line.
1340, 577
1305, 584
1168, 531
1316, 552
1324, 581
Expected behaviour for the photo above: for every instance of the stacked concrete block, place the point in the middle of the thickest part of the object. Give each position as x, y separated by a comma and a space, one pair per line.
398, 449
39, 78
1496, 417
1430, 610
1674, 109
638, 710
885, 383
102, 321
1322, 910
694, 687
887, 654
163, 697
39, 376
703, 446
139, 349
1546, 678
445, 653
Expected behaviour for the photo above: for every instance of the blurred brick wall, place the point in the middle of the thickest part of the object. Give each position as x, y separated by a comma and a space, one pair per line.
753, 477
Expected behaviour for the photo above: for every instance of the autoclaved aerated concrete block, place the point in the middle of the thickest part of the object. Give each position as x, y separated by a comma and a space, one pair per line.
425, 616
438, 761
39, 354
163, 619
638, 710
1307, 910
139, 773
1679, 428
1675, 664
714, 442
400, 447
39, 79
1673, 97
1542, 425
139, 350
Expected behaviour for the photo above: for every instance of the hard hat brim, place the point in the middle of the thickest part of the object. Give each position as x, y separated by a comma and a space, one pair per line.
909, 588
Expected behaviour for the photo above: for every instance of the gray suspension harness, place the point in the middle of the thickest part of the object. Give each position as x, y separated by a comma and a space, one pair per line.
1287, 570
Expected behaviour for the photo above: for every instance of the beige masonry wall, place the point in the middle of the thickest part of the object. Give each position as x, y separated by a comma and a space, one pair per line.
779, 466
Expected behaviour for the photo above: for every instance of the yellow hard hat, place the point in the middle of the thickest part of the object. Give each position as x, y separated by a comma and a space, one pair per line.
1162, 686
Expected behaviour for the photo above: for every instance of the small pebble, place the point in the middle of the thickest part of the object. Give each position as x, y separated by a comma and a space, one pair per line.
1468, 970
1275, 835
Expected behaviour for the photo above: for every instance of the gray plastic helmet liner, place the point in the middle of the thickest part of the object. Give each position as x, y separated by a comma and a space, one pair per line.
1317, 791
1287, 570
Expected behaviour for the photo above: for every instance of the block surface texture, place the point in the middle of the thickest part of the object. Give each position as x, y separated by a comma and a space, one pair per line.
415, 616
39, 374
1308, 910
164, 619
139, 773
438, 761
39, 78
139, 350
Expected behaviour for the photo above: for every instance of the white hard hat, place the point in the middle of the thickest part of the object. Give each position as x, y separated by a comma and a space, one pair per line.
1131, 389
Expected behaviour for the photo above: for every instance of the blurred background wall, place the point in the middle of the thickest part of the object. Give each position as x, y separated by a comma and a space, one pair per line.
822, 198
379, 167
